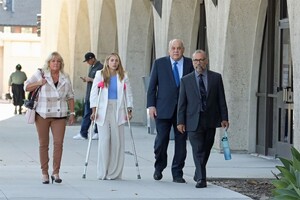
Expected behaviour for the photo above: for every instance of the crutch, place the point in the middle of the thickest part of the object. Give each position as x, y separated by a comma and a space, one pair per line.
132, 140
90, 137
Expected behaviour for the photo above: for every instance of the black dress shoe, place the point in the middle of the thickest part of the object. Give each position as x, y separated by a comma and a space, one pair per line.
201, 184
179, 180
157, 175
195, 179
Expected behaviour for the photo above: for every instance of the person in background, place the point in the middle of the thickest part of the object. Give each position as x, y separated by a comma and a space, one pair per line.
201, 109
16, 83
162, 96
55, 101
115, 101
95, 65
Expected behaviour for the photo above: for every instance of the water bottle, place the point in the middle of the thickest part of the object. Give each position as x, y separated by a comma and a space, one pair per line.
226, 149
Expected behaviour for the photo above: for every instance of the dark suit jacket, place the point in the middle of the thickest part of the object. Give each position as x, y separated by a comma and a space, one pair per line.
162, 91
189, 103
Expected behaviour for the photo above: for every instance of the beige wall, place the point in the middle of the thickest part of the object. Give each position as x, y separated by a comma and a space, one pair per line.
234, 36
15, 48
126, 27
2, 91
294, 20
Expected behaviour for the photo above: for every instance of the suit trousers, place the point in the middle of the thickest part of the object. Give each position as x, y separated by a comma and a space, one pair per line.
163, 127
58, 127
201, 141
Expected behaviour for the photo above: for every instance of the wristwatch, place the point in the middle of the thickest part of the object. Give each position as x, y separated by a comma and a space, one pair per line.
72, 113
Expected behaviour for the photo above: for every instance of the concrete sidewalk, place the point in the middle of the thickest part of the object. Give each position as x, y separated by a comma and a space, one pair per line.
20, 174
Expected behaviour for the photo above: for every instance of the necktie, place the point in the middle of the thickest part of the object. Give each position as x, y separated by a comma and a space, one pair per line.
202, 92
176, 74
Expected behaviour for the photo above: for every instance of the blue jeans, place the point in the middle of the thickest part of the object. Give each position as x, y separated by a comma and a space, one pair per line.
86, 120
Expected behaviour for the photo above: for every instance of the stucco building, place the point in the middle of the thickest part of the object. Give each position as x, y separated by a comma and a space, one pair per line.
253, 44
19, 42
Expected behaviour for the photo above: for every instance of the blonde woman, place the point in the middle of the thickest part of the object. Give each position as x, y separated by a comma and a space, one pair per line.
55, 100
114, 87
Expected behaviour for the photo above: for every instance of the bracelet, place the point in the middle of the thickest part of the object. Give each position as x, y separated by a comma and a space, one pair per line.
72, 113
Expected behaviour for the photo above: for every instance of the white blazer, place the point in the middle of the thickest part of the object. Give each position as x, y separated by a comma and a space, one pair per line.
124, 90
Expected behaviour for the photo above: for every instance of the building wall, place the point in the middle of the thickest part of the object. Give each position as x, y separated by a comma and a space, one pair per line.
1, 69
15, 48
294, 20
234, 36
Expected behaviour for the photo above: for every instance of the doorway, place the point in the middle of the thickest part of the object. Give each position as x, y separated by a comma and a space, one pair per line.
285, 100
275, 91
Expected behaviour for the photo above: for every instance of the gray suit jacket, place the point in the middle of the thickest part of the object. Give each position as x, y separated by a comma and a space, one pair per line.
189, 103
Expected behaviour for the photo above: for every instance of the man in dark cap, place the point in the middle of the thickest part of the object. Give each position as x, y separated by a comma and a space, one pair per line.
95, 65
16, 82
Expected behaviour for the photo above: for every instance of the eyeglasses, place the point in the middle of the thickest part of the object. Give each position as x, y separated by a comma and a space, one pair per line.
199, 60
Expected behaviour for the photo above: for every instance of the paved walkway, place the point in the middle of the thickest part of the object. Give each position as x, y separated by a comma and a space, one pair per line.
20, 174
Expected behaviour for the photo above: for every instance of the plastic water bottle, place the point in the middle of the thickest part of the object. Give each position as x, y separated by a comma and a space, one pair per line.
226, 149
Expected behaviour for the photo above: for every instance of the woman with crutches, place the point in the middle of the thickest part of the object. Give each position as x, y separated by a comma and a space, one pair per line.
111, 116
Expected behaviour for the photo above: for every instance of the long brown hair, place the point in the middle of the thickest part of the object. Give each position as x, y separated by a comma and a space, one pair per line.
106, 73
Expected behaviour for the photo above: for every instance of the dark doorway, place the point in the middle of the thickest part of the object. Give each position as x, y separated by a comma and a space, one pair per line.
275, 91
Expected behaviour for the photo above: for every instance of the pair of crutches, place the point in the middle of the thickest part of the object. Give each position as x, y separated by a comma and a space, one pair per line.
90, 139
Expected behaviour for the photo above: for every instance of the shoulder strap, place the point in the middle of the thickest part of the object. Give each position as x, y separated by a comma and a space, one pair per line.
42, 72
36, 91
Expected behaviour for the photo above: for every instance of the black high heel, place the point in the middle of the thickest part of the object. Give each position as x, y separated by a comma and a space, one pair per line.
55, 178
46, 179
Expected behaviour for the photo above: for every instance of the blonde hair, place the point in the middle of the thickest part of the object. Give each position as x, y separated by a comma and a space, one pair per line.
52, 55
106, 73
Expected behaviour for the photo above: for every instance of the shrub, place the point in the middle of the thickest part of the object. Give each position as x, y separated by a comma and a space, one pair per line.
287, 183
79, 107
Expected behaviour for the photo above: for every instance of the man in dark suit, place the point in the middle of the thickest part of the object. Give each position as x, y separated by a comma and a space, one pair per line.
201, 109
162, 97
